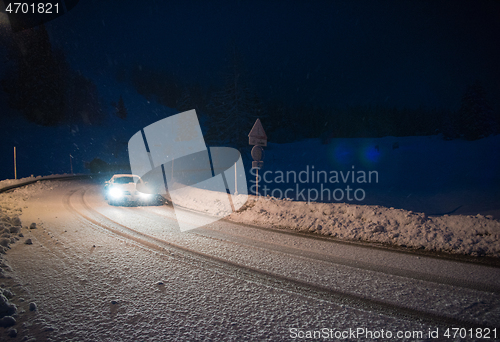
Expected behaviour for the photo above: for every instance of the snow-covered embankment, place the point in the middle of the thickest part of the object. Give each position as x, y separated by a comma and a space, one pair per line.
470, 235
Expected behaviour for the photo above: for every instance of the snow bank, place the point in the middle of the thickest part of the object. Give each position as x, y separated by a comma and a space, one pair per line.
471, 235
8, 183
11, 232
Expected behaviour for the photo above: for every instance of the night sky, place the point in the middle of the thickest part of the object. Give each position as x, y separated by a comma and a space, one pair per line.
392, 52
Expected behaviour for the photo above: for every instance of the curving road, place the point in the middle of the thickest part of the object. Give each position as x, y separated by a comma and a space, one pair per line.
133, 276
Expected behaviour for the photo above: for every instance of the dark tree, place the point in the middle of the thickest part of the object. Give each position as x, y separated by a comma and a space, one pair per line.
234, 109
156, 84
42, 86
83, 105
97, 165
36, 86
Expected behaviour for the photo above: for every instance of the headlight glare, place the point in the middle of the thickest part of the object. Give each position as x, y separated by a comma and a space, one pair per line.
115, 193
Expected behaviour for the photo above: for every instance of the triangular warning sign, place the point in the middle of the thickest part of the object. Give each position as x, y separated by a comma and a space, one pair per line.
257, 131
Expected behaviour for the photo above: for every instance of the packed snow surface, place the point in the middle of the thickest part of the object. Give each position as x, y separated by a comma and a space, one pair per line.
74, 276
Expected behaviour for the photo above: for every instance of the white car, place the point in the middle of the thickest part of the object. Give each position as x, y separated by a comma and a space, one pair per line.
124, 189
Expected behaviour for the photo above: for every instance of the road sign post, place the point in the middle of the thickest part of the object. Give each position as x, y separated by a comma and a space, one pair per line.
257, 137
257, 183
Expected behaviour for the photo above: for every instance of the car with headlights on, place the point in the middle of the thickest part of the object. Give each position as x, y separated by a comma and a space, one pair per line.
126, 189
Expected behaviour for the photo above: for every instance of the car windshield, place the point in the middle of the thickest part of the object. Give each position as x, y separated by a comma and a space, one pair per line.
124, 180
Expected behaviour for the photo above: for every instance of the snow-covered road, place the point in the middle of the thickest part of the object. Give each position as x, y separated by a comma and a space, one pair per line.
107, 273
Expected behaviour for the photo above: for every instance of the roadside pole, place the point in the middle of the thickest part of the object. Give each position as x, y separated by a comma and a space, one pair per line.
235, 179
15, 164
258, 138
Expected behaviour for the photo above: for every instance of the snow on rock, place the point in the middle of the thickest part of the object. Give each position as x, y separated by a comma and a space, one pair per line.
7, 321
6, 307
471, 235
10, 231
7, 293
10, 227
12, 333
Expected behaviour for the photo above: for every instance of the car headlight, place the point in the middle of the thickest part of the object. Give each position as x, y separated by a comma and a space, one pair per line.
115, 193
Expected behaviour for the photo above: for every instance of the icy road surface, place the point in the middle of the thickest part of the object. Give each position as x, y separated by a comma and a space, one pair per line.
104, 273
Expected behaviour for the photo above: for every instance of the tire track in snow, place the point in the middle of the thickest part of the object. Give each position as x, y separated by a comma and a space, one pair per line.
231, 269
211, 233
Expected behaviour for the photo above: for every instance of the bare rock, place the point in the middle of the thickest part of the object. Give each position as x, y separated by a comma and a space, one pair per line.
28, 242
33, 306
33, 225
4, 242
